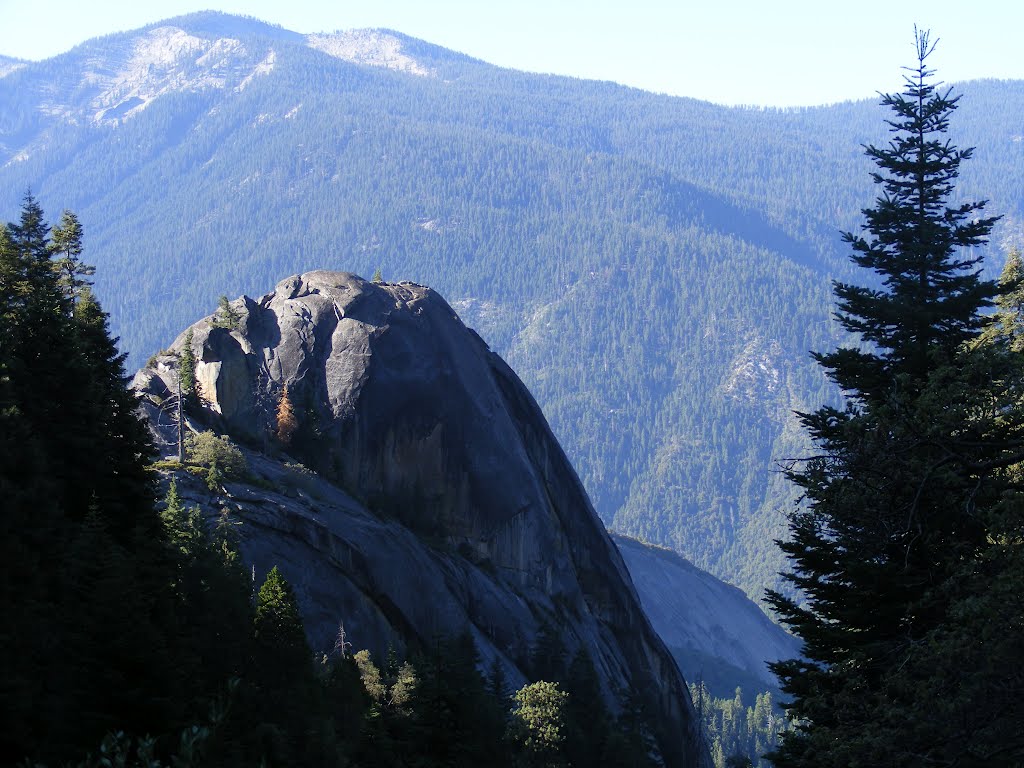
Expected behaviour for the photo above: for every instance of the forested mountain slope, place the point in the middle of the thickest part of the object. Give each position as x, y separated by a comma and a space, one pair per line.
654, 268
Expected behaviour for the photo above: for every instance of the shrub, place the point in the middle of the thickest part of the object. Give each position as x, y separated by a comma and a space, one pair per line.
218, 453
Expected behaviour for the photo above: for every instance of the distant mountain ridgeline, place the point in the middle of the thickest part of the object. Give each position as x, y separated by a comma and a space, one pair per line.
654, 268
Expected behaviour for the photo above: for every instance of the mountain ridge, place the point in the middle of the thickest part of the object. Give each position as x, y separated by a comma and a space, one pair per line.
655, 268
219, 23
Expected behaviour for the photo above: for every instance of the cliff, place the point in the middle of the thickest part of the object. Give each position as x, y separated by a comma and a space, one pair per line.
441, 501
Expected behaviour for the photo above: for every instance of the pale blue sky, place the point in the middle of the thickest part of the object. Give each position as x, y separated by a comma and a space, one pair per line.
765, 52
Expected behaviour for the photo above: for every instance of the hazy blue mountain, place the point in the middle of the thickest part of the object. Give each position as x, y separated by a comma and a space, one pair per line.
717, 635
654, 268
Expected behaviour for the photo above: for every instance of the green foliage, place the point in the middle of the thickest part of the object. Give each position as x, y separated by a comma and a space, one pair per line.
629, 741
212, 589
185, 530
1007, 322
302, 478
280, 670
79, 522
377, 277
586, 718
683, 246
739, 735
547, 656
537, 727
226, 315
455, 720
439, 710
344, 706
66, 244
403, 687
370, 677
120, 750
218, 453
739, 761
392, 694
156, 603
214, 477
187, 368
280, 640
905, 502
151, 360
152, 603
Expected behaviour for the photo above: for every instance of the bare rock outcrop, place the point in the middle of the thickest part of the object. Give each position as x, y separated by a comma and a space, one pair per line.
716, 633
441, 502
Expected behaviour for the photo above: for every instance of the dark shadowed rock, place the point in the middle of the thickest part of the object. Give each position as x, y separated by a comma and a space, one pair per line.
451, 506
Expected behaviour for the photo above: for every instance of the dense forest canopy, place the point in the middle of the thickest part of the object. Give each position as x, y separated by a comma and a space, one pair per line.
655, 269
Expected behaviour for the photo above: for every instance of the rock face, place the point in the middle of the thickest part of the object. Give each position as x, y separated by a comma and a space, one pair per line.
459, 510
716, 633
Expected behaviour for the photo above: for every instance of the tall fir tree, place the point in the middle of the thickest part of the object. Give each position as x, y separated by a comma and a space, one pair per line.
32, 528
120, 480
280, 646
897, 504
282, 670
37, 339
187, 370
66, 244
586, 718
455, 721
79, 525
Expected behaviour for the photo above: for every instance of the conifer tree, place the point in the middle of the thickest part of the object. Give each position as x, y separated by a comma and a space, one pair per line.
187, 368
226, 316
68, 379
79, 524
212, 588
67, 247
586, 718
281, 651
896, 500
36, 336
116, 474
456, 722
547, 656
282, 670
1007, 325
287, 423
